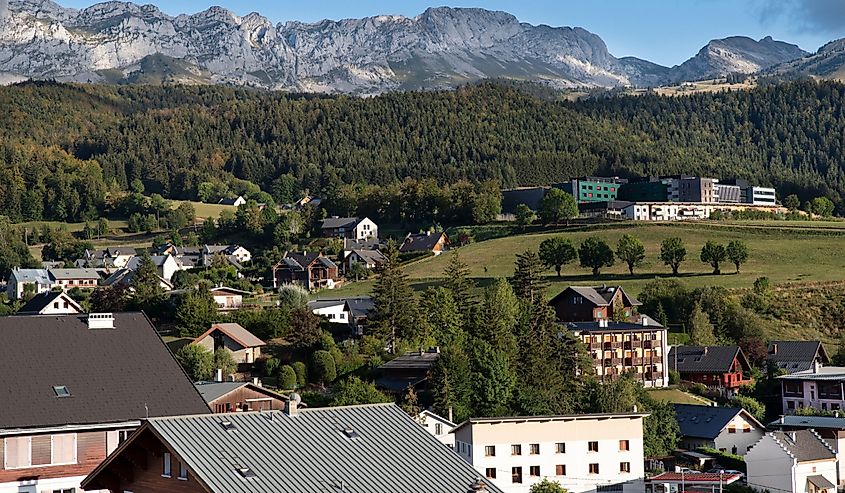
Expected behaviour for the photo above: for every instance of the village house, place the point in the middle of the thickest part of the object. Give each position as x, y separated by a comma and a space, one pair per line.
438, 426
830, 428
583, 452
434, 243
619, 348
108, 259
586, 304
369, 259
793, 461
51, 303
233, 201
409, 370
819, 388
349, 227
722, 368
244, 347
228, 298
166, 265
310, 270
230, 397
68, 279
126, 277
64, 411
212, 454
349, 312
727, 429
38, 281
795, 356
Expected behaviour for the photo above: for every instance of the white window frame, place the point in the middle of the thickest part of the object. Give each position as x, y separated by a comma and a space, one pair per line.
6, 455
167, 465
53, 460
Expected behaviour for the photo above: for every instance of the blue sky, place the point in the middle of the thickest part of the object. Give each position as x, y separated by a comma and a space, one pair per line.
663, 31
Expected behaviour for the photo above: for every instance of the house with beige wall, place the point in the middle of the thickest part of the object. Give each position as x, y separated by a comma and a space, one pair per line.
797, 461
243, 345
582, 452
830, 428
727, 429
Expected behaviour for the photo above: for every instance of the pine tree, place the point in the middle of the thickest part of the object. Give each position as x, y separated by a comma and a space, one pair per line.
452, 383
493, 381
498, 318
147, 284
700, 328
528, 282
458, 282
395, 306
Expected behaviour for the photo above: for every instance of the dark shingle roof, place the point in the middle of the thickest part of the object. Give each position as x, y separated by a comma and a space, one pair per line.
423, 242
413, 361
794, 356
705, 359
806, 446
599, 296
339, 222
707, 421
113, 375
43, 300
373, 448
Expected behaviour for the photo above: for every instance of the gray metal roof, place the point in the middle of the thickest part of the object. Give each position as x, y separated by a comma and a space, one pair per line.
215, 390
413, 361
613, 326
833, 373
74, 274
310, 453
707, 421
32, 275
791, 421
804, 445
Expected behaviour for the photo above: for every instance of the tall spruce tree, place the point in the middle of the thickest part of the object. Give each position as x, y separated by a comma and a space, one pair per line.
528, 282
452, 383
395, 306
147, 284
458, 282
498, 318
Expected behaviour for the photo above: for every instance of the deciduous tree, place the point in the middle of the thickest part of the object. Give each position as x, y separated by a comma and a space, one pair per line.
594, 254
714, 254
737, 252
557, 206
556, 252
673, 253
631, 251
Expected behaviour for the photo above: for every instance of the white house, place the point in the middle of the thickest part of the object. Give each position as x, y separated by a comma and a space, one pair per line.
349, 227
236, 201
333, 310
66, 279
166, 265
792, 461
438, 426
728, 429
582, 452
51, 303
830, 428
820, 387
228, 298
39, 279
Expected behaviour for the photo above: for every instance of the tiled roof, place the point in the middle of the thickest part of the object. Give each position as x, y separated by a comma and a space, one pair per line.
235, 332
707, 421
697, 477
112, 375
43, 300
804, 445
795, 356
423, 242
371, 256
705, 359
374, 448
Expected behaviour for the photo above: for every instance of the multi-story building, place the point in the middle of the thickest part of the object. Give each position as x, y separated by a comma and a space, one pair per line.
726, 193
820, 388
586, 304
728, 429
349, 227
792, 461
584, 453
830, 428
94, 378
618, 348
675, 211
593, 188
760, 196
693, 189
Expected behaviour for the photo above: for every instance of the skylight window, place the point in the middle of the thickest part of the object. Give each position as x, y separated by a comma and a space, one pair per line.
246, 472
61, 391
227, 425
350, 433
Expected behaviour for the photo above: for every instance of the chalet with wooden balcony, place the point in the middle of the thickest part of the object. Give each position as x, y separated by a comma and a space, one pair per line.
618, 348
585, 304
73, 388
311, 270
718, 367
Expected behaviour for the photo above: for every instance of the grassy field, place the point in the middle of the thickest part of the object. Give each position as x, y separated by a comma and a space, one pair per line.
71, 227
204, 210
779, 250
676, 396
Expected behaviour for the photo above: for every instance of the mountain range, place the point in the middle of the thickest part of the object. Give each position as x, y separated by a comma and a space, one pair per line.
440, 48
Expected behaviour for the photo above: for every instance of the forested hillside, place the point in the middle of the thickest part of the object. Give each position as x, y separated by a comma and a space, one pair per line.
62, 147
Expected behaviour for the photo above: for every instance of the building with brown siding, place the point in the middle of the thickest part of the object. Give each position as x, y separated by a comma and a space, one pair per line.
587, 304
74, 387
229, 397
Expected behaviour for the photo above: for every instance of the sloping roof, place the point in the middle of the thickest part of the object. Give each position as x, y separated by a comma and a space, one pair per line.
230, 201
339, 222
695, 478
41, 276
373, 448
413, 361
227, 289
235, 332
74, 274
423, 242
809, 422
299, 261
113, 375
371, 256
824, 373
794, 356
708, 421
318, 304
804, 445
126, 277
431, 414
211, 391
43, 300
705, 359
646, 324
361, 244
820, 481
360, 307
600, 295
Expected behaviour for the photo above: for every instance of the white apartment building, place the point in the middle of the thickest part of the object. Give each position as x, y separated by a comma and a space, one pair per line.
679, 211
584, 453
760, 196
820, 387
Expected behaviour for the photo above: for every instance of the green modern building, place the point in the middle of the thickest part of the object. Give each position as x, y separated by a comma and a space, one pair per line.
592, 188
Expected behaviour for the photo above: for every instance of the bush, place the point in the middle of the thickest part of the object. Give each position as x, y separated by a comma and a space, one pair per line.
292, 296
674, 377
726, 460
271, 366
287, 377
323, 367
301, 374
197, 361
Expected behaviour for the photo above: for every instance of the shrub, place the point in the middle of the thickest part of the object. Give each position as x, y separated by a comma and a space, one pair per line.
287, 377
301, 374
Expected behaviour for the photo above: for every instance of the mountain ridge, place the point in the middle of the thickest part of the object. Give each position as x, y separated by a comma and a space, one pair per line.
441, 47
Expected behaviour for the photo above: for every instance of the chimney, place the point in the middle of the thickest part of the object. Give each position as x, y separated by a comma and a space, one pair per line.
644, 320
218, 375
775, 348
781, 419
256, 382
450, 414
793, 436
816, 366
602, 322
100, 321
705, 350
292, 407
